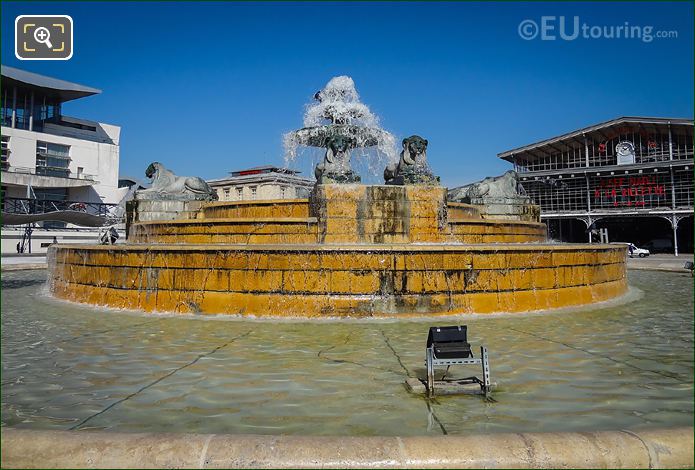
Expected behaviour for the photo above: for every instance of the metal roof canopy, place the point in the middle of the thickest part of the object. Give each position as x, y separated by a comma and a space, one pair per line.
53, 87
574, 139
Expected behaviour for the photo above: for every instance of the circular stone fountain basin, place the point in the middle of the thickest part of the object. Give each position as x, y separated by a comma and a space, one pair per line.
349, 250
338, 280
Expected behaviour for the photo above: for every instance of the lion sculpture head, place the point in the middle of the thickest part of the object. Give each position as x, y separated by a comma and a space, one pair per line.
338, 146
152, 169
414, 150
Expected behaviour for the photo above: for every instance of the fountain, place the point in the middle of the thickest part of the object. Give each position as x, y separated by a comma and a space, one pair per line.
348, 250
405, 248
338, 122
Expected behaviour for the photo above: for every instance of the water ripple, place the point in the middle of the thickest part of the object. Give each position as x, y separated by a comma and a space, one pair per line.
67, 366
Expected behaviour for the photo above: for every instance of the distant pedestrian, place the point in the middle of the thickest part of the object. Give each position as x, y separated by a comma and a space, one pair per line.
55, 240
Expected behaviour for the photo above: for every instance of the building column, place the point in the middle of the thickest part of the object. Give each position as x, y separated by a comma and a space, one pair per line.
588, 190
674, 221
673, 188
14, 107
31, 112
674, 226
670, 142
588, 200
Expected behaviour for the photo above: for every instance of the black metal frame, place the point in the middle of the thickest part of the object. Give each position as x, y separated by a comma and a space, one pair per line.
17, 205
462, 355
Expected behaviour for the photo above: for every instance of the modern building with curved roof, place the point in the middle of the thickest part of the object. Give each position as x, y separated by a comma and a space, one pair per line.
51, 161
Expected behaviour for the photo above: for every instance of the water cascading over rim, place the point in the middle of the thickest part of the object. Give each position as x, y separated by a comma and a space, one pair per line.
337, 121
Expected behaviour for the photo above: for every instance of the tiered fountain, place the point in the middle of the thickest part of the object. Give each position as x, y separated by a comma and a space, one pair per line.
348, 250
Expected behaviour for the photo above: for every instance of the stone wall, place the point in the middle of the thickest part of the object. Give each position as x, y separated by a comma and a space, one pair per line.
351, 250
278, 208
509, 209
227, 231
348, 214
149, 210
379, 214
325, 280
642, 448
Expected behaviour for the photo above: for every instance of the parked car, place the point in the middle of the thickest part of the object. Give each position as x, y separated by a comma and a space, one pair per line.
659, 245
633, 251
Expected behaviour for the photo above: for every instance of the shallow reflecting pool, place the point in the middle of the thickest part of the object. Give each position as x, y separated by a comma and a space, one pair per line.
66, 366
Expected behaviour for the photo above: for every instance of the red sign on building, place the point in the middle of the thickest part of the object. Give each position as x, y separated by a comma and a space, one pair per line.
629, 191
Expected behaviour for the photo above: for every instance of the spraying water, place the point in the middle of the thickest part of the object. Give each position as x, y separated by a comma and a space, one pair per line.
337, 111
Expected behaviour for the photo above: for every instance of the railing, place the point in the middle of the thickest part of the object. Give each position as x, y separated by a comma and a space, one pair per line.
16, 205
555, 163
39, 171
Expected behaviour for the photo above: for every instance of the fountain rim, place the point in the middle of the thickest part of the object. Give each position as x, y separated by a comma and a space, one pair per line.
231, 220
342, 247
656, 447
314, 220
253, 202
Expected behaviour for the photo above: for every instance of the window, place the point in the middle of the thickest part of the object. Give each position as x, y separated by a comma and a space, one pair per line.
51, 194
283, 192
226, 194
5, 152
23, 109
240, 193
52, 159
6, 107
46, 109
253, 192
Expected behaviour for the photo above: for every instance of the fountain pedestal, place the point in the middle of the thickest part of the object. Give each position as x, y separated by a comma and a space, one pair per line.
379, 214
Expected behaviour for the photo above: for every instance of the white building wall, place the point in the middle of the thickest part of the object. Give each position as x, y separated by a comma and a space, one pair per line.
99, 159
264, 191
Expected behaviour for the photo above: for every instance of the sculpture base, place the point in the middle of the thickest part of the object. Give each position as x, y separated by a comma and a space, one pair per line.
508, 208
139, 210
379, 214
414, 177
339, 178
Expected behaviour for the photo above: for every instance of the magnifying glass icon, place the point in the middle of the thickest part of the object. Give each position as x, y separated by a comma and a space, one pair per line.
43, 35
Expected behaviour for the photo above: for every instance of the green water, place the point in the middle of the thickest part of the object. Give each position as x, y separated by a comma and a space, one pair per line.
66, 366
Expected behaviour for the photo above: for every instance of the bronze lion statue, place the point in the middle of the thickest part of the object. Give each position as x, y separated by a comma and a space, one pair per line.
335, 167
412, 168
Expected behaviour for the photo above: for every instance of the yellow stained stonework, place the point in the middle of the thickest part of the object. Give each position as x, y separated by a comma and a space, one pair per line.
349, 250
350, 214
320, 280
279, 208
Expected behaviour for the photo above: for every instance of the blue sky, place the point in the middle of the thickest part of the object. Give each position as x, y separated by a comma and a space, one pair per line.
207, 88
